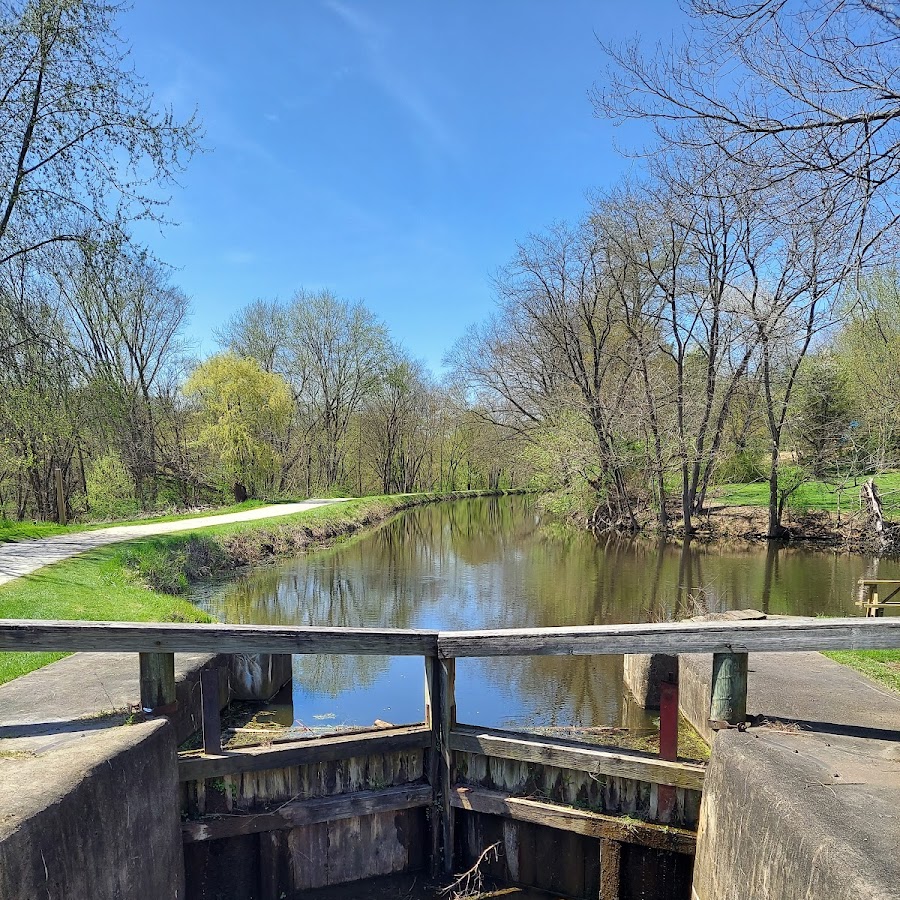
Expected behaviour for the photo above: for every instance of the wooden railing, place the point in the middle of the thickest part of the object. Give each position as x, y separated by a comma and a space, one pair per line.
729, 641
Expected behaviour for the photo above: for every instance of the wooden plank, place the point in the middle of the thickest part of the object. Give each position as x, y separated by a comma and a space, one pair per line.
447, 678
209, 711
610, 869
785, 635
157, 683
574, 755
433, 722
195, 767
38, 634
728, 691
591, 824
298, 813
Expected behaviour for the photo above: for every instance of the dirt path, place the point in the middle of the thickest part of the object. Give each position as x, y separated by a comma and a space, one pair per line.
24, 557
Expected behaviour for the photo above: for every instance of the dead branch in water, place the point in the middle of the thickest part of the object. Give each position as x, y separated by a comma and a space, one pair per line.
471, 883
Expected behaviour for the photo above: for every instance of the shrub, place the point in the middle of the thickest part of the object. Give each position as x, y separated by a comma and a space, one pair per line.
745, 467
110, 494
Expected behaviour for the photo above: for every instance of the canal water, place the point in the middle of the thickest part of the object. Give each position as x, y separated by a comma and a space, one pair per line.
500, 563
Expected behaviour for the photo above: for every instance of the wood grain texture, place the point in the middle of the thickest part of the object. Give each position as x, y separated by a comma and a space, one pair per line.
447, 690
37, 634
297, 813
433, 771
590, 824
572, 755
210, 714
157, 682
299, 753
610, 869
783, 635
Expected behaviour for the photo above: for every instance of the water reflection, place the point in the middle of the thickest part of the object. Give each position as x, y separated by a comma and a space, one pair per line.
497, 563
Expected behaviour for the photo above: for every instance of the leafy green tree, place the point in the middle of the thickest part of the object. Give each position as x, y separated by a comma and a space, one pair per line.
243, 410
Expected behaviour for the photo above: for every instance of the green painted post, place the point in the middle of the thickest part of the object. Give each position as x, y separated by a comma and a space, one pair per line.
728, 704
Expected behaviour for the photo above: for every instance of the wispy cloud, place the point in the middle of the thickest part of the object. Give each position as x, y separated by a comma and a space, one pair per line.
396, 85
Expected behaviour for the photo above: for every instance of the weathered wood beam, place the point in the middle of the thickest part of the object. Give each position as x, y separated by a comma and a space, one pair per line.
196, 766
573, 755
677, 637
157, 683
308, 812
447, 678
27, 635
210, 713
433, 772
610, 869
564, 818
784, 635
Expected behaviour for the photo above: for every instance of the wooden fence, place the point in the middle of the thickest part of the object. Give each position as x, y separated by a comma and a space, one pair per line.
442, 747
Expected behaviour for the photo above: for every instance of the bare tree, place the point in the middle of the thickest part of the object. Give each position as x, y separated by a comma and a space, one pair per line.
343, 348
80, 140
556, 343
783, 88
127, 322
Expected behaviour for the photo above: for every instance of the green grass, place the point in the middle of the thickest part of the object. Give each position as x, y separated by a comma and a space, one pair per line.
882, 666
814, 495
23, 531
110, 584
95, 587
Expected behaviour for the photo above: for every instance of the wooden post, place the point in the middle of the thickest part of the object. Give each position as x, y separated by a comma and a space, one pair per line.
209, 706
610, 869
60, 497
158, 683
447, 678
874, 610
668, 746
433, 721
728, 704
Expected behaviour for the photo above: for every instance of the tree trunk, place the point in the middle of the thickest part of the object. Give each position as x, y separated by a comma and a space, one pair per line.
775, 530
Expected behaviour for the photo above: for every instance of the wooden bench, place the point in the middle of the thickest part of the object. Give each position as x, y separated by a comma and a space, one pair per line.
873, 604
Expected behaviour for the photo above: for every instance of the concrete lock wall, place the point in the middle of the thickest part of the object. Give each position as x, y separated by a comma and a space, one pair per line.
89, 807
96, 820
803, 804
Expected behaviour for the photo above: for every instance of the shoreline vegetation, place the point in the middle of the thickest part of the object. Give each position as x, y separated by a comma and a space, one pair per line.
145, 580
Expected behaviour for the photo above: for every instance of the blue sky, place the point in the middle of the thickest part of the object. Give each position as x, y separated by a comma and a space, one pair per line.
391, 150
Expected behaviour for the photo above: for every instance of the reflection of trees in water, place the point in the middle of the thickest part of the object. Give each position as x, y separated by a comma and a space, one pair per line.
334, 675
492, 563
553, 690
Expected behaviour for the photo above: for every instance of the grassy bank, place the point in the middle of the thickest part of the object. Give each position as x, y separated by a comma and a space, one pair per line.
882, 666
26, 531
143, 581
814, 495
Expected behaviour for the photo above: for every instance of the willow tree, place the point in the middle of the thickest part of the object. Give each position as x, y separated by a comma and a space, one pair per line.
242, 411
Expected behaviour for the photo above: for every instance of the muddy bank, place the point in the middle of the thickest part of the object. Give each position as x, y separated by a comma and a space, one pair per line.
814, 530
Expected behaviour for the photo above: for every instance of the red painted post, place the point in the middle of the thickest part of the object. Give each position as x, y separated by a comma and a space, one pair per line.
668, 745
668, 721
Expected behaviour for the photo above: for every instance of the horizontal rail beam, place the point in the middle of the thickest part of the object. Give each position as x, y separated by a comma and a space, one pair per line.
569, 755
39, 634
743, 636
303, 752
786, 635
564, 818
308, 812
